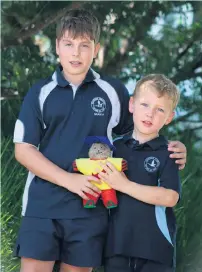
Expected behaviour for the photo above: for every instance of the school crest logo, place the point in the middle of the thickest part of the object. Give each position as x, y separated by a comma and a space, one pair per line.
98, 105
151, 164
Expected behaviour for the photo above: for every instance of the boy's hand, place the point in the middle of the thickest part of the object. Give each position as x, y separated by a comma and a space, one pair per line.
80, 184
180, 153
117, 180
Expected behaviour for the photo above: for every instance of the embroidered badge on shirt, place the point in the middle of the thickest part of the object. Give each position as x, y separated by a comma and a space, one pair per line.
98, 104
151, 164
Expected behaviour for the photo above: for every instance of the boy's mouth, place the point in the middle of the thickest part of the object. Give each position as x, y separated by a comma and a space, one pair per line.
147, 123
75, 63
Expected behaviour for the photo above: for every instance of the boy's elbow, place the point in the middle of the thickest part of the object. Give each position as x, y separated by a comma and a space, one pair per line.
20, 151
19, 154
172, 199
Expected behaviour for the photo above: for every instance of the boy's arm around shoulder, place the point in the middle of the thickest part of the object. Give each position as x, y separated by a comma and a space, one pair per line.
179, 153
167, 192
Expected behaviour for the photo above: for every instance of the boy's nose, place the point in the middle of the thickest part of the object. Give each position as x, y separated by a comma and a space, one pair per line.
76, 51
150, 113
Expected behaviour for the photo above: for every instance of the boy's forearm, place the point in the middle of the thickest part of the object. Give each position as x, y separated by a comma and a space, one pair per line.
39, 165
152, 195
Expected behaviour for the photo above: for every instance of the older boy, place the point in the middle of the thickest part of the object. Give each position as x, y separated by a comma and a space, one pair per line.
142, 229
57, 115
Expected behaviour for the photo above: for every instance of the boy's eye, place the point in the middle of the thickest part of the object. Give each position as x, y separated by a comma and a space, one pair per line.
144, 104
68, 44
160, 110
85, 45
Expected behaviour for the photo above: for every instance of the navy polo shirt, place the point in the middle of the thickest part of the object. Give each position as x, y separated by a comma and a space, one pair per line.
56, 117
138, 229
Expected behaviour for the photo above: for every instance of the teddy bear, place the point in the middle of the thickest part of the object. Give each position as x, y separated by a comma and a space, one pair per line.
100, 151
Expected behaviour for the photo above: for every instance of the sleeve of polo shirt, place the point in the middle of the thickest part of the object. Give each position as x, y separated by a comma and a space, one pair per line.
29, 125
170, 178
125, 124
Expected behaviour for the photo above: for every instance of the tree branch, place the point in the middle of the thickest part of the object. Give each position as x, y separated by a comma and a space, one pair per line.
193, 129
27, 32
183, 117
184, 51
116, 64
188, 70
197, 35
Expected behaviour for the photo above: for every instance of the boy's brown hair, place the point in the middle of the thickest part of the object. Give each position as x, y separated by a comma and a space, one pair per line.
162, 84
79, 23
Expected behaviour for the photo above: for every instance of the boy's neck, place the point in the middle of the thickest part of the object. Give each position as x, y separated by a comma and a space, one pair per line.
143, 138
74, 79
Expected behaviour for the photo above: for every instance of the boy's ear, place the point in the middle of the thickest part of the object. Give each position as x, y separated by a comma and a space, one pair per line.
56, 46
131, 104
170, 118
97, 48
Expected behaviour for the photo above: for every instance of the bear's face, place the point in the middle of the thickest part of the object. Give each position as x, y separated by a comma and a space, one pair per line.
99, 151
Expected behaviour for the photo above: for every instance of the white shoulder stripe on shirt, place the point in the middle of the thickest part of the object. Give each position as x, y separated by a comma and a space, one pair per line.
115, 102
45, 91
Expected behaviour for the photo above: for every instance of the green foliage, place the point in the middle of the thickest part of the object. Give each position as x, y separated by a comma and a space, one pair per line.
189, 212
13, 178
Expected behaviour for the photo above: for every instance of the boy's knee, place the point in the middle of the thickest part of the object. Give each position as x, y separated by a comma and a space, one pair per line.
70, 268
32, 265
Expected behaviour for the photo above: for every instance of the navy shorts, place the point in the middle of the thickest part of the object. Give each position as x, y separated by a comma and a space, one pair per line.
78, 242
120, 263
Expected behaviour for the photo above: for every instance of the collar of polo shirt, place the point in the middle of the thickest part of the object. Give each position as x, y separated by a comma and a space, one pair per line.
154, 143
62, 82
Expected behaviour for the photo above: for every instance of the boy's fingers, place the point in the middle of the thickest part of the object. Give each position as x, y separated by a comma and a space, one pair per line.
181, 167
95, 189
111, 166
107, 166
172, 143
82, 195
182, 161
94, 179
91, 186
173, 149
178, 155
176, 150
178, 145
107, 169
91, 192
102, 176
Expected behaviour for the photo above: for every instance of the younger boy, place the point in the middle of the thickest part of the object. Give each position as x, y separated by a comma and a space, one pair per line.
142, 229
57, 115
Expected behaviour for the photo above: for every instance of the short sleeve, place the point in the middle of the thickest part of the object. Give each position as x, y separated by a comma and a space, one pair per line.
125, 124
170, 178
29, 125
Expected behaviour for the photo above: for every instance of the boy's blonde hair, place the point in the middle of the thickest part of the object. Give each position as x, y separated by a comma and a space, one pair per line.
162, 85
79, 23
